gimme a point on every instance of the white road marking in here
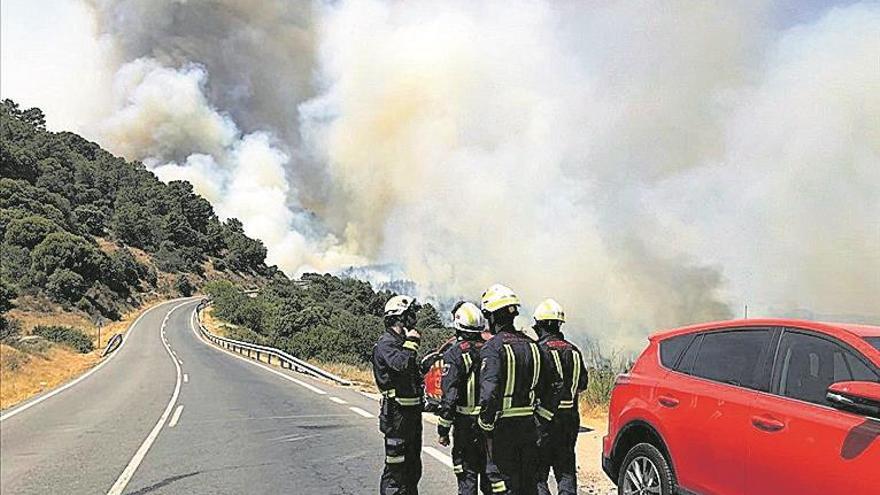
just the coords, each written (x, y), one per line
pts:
(436, 454)
(361, 412)
(135, 461)
(296, 438)
(175, 417)
(338, 400)
(371, 396)
(186, 378)
(255, 363)
(28, 405)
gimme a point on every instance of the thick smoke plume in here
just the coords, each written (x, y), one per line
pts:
(648, 164)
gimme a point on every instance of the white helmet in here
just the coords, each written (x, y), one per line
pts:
(497, 297)
(468, 318)
(549, 309)
(398, 305)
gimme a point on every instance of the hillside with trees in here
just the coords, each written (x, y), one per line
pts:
(90, 231)
(87, 239)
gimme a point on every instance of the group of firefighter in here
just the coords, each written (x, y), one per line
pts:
(510, 402)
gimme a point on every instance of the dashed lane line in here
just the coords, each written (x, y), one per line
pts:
(338, 400)
(360, 412)
(176, 416)
(186, 378)
(132, 466)
(436, 454)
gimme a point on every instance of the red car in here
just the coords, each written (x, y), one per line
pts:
(749, 407)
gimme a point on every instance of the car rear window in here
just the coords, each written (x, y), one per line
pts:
(671, 349)
(874, 341)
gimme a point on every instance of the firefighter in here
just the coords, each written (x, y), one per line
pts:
(516, 385)
(558, 439)
(396, 370)
(458, 407)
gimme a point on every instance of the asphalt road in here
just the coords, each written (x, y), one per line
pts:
(213, 422)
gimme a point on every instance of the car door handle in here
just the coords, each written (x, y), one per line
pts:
(767, 424)
(667, 401)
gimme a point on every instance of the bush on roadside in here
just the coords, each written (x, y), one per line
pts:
(10, 330)
(183, 285)
(69, 336)
(603, 370)
(38, 346)
(13, 361)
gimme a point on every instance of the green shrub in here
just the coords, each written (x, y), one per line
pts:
(38, 346)
(603, 370)
(183, 285)
(29, 231)
(321, 317)
(69, 336)
(10, 330)
(66, 286)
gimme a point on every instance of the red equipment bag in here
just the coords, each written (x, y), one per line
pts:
(432, 375)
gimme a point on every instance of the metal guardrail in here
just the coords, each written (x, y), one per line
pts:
(266, 354)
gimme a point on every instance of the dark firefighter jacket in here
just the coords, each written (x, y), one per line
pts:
(569, 363)
(396, 369)
(459, 383)
(516, 380)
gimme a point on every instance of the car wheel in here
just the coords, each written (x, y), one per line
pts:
(645, 472)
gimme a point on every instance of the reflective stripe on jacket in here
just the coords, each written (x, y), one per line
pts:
(516, 379)
(569, 362)
(396, 369)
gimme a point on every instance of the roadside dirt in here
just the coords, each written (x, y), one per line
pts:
(34, 369)
(591, 479)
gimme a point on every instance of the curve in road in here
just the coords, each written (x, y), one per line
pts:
(202, 421)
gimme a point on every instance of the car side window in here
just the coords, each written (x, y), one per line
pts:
(686, 363)
(732, 357)
(671, 349)
(807, 364)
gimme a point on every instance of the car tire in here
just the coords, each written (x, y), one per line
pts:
(645, 467)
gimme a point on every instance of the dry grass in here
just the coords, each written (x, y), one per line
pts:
(25, 374)
(213, 324)
(31, 311)
(360, 376)
(592, 414)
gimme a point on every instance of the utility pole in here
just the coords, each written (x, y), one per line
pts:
(746, 311)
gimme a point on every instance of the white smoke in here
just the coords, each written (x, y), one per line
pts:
(162, 114)
(646, 163)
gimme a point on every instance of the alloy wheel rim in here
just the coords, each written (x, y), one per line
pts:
(642, 478)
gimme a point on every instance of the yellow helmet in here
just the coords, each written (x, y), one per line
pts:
(468, 318)
(497, 297)
(549, 309)
(398, 305)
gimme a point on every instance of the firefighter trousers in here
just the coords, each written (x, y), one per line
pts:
(557, 451)
(469, 456)
(402, 427)
(513, 463)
